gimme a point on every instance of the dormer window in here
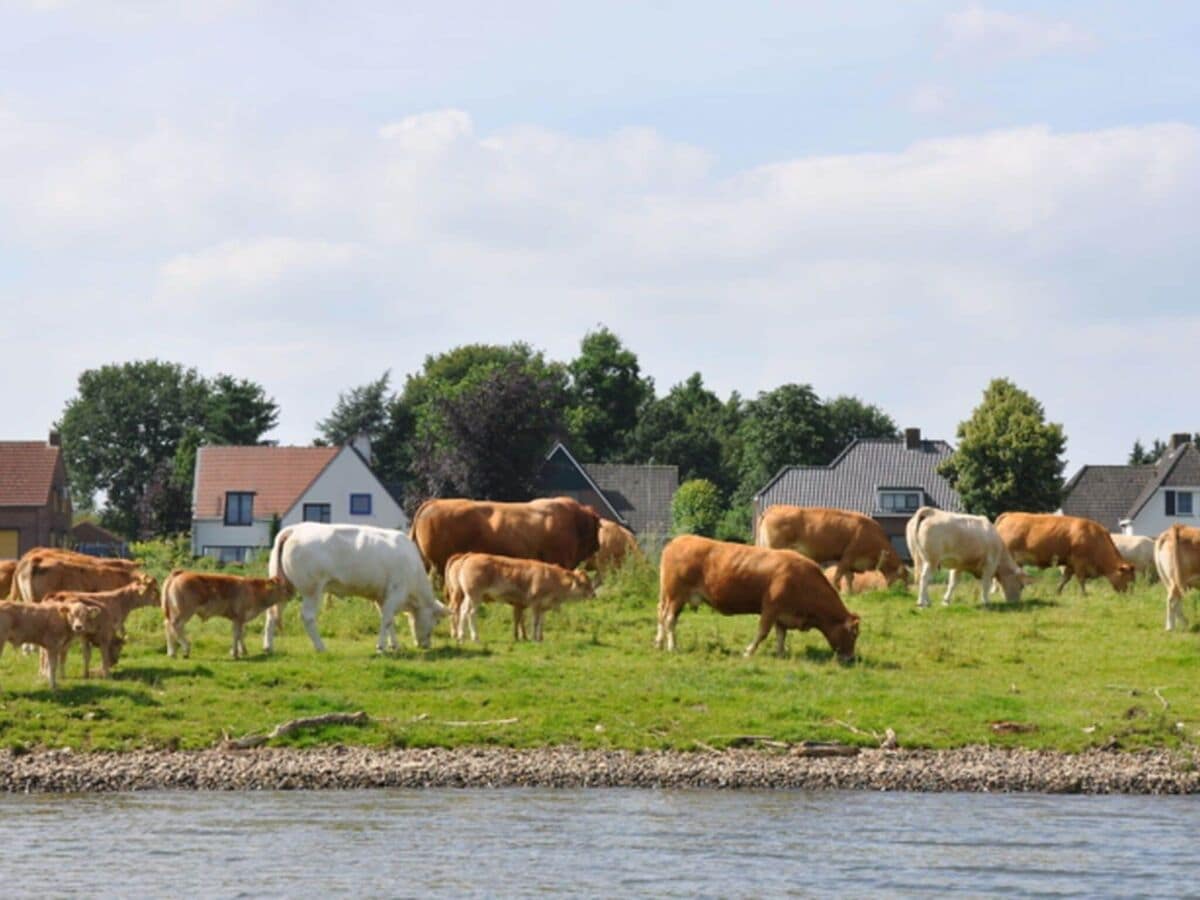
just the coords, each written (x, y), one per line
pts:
(899, 501)
(239, 508)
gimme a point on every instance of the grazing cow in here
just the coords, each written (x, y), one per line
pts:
(860, 582)
(849, 540)
(783, 588)
(353, 560)
(961, 543)
(1081, 546)
(7, 568)
(104, 627)
(43, 626)
(557, 530)
(1177, 557)
(475, 578)
(40, 574)
(1138, 551)
(617, 544)
(187, 594)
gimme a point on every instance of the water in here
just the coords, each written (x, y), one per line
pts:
(516, 842)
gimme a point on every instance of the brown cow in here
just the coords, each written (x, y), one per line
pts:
(556, 530)
(40, 574)
(1177, 558)
(7, 568)
(617, 544)
(860, 582)
(42, 626)
(849, 540)
(1081, 546)
(104, 627)
(475, 578)
(203, 594)
(783, 588)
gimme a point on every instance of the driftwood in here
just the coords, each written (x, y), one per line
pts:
(824, 748)
(293, 725)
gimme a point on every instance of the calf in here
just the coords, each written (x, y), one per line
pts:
(961, 543)
(1081, 546)
(187, 594)
(851, 541)
(860, 582)
(1138, 551)
(617, 544)
(784, 589)
(522, 583)
(1177, 557)
(44, 626)
(105, 627)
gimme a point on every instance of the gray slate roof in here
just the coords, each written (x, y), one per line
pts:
(852, 481)
(1105, 493)
(642, 495)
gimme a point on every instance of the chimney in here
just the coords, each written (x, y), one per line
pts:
(362, 443)
(1179, 439)
(55, 439)
(912, 438)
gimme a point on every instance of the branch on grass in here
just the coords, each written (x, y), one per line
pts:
(293, 725)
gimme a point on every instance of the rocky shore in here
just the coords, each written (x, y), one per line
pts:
(340, 768)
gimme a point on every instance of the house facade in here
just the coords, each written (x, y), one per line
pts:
(1143, 499)
(885, 479)
(635, 496)
(35, 503)
(238, 492)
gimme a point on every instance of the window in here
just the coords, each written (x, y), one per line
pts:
(316, 512)
(239, 508)
(1183, 503)
(360, 504)
(225, 555)
(899, 501)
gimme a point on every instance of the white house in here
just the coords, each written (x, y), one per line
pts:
(1144, 499)
(239, 490)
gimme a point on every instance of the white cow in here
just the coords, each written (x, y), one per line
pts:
(960, 543)
(378, 563)
(1137, 550)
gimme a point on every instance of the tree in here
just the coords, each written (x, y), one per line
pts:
(851, 419)
(696, 508)
(360, 410)
(786, 426)
(607, 390)
(1009, 457)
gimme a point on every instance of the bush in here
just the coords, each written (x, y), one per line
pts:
(696, 508)
(737, 524)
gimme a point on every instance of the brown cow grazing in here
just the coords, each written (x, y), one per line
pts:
(617, 544)
(475, 578)
(105, 628)
(7, 568)
(42, 626)
(203, 594)
(1081, 546)
(1177, 557)
(556, 530)
(861, 582)
(850, 541)
(40, 574)
(783, 588)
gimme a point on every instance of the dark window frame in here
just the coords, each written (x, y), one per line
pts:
(234, 509)
(327, 514)
(361, 512)
(1169, 503)
(1182, 508)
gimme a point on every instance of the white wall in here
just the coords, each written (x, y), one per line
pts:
(1152, 521)
(347, 475)
(215, 533)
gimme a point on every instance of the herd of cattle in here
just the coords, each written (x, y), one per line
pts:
(537, 555)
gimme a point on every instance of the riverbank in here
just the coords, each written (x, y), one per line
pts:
(977, 769)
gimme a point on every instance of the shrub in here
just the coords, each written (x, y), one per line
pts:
(696, 508)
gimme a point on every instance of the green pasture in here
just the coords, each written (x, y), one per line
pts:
(1066, 672)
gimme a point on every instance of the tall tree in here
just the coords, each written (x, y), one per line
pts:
(1009, 457)
(786, 426)
(607, 390)
(851, 419)
(360, 410)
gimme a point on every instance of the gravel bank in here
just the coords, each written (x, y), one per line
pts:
(969, 769)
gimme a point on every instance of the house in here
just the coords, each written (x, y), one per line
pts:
(636, 496)
(1142, 499)
(88, 537)
(887, 479)
(238, 492)
(35, 504)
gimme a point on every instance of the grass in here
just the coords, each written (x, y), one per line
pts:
(1079, 672)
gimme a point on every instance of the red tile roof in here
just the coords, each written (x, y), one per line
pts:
(26, 472)
(276, 475)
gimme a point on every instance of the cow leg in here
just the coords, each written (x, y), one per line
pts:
(951, 587)
(387, 616)
(85, 648)
(466, 615)
(170, 637)
(274, 616)
(412, 628)
(237, 639)
(1082, 579)
(923, 580)
(308, 614)
(765, 623)
(986, 576)
(178, 627)
(538, 613)
(780, 640)
(1066, 576)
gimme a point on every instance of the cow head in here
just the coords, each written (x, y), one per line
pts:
(145, 586)
(424, 616)
(82, 617)
(1012, 583)
(587, 532)
(581, 585)
(1123, 577)
(843, 636)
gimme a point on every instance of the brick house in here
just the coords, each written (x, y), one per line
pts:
(35, 503)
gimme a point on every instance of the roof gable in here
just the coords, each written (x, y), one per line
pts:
(1178, 466)
(277, 476)
(356, 459)
(1105, 493)
(561, 462)
(27, 471)
(641, 493)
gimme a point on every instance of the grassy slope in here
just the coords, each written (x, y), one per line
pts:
(939, 677)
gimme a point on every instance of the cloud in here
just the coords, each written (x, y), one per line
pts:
(314, 261)
(988, 33)
(930, 100)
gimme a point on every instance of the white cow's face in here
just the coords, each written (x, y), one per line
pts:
(424, 618)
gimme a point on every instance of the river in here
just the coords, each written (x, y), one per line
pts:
(525, 842)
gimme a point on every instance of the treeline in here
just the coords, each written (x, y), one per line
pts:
(474, 421)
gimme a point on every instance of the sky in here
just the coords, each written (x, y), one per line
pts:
(899, 201)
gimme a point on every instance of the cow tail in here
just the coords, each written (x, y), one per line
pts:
(1176, 566)
(912, 534)
(275, 562)
(166, 592)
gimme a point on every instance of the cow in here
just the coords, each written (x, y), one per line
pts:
(204, 594)
(1177, 558)
(41, 574)
(105, 628)
(1138, 551)
(785, 590)
(617, 544)
(378, 563)
(556, 530)
(1081, 546)
(860, 582)
(849, 540)
(475, 578)
(7, 568)
(43, 626)
(961, 543)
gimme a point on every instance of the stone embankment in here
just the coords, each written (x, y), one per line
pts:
(339, 767)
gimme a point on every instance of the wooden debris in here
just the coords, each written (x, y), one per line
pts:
(293, 725)
(824, 748)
